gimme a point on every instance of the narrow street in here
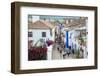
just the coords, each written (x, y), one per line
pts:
(57, 55)
(57, 37)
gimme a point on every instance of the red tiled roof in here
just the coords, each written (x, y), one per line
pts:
(40, 25)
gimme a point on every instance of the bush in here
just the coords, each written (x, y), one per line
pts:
(37, 53)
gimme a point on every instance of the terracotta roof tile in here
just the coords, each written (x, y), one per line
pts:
(40, 25)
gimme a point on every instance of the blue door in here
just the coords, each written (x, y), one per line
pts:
(67, 40)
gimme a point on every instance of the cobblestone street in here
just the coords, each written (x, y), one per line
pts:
(57, 55)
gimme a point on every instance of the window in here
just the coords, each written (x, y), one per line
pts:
(43, 34)
(29, 34)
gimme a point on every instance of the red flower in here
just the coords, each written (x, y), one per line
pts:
(36, 53)
(49, 42)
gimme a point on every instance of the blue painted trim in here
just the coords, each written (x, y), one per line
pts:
(67, 40)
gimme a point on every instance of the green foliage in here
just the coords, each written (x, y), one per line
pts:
(77, 54)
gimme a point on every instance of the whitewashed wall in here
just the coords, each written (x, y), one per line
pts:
(37, 34)
(72, 39)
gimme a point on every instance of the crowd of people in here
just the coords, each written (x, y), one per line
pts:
(69, 51)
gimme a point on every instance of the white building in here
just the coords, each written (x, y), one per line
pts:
(72, 35)
(41, 30)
